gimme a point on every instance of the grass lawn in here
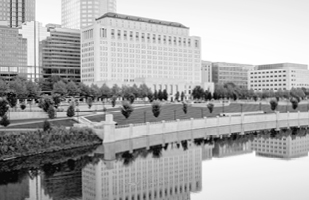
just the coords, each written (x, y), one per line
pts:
(64, 122)
(174, 111)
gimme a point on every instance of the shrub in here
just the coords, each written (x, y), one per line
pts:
(71, 111)
(5, 121)
(23, 106)
(294, 102)
(156, 108)
(273, 104)
(51, 112)
(210, 107)
(46, 125)
(255, 97)
(114, 98)
(126, 109)
(4, 106)
(185, 107)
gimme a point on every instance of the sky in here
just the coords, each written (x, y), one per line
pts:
(238, 31)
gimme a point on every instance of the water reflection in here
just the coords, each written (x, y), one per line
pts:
(162, 171)
(159, 173)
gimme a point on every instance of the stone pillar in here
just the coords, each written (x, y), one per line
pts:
(218, 125)
(109, 151)
(277, 121)
(242, 124)
(177, 132)
(288, 120)
(130, 138)
(147, 134)
(191, 131)
(205, 127)
(109, 129)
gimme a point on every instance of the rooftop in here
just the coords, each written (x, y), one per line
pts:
(141, 19)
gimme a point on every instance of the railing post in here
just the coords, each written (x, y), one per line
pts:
(288, 120)
(218, 124)
(147, 134)
(205, 127)
(277, 121)
(192, 121)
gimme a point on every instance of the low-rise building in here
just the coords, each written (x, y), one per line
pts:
(283, 76)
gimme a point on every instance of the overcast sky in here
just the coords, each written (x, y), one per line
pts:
(240, 31)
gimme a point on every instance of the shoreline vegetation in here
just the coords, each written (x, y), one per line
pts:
(25, 144)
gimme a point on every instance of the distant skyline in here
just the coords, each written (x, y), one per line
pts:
(238, 31)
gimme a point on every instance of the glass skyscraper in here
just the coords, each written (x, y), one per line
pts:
(16, 12)
(76, 14)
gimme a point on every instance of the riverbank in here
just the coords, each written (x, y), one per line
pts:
(17, 145)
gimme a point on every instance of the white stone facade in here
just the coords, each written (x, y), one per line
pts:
(76, 14)
(127, 49)
(278, 78)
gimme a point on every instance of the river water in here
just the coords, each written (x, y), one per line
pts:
(263, 165)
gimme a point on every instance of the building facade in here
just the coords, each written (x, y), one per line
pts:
(174, 176)
(61, 53)
(278, 76)
(34, 33)
(231, 72)
(206, 71)
(13, 53)
(16, 12)
(127, 50)
(77, 14)
(231, 149)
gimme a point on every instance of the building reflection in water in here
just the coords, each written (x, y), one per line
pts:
(282, 145)
(172, 176)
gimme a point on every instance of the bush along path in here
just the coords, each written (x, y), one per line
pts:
(39, 142)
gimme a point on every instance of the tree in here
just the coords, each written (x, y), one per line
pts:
(72, 89)
(45, 103)
(164, 95)
(56, 99)
(71, 111)
(135, 91)
(89, 102)
(4, 106)
(51, 112)
(84, 90)
(12, 99)
(126, 109)
(294, 102)
(185, 107)
(3, 88)
(160, 95)
(104, 92)
(5, 121)
(129, 97)
(46, 125)
(116, 90)
(177, 95)
(144, 91)
(60, 88)
(210, 107)
(255, 97)
(18, 87)
(273, 104)
(94, 91)
(155, 95)
(33, 89)
(150, 96)
(114, 99)
(156, 108)
(182, 96)
(198, 92)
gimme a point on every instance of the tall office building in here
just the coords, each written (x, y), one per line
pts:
(77, 14)
(16, 12)
(61, 53)
(126, 49)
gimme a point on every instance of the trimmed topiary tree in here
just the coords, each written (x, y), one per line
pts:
(210, 107)
(89, 102)
(114, 98)
(156, 108)
(51, 112)
(273, 104)
(71, 111)
(23, 106)
(5, 121)
(294, 103)
(185, 108)
(126, 109)
(46, 125)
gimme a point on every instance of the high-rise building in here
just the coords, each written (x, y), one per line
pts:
(77, 14)
(13, 53)
(16, 12)
(283, 76)
(126, 49)
(231, 72)
(61, 53)
(206, 72)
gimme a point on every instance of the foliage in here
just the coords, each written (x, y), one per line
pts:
(126, 109)
(182, 96)
(46, 125)
(160, 95)
(4, 106)
(18, 87)
(71, 111)
(46, 102)
(104, 92)
(198, 92)
(150, 97)
(294, 102)
(89, 102)
(164, 95)
(273, 104)
(116, 90)
(33, 89)
(3, 88)
(84, 90)
(56, 99)
(144, 91)
(210, 107)
(51, 112)
(72, 89)
(156, 108)
(185, 107)
(60, 88)
(12, 99)
(155, 95)
(114, 99)
(177, 95)
(129, 97)
(23, 106)
(5, 121)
